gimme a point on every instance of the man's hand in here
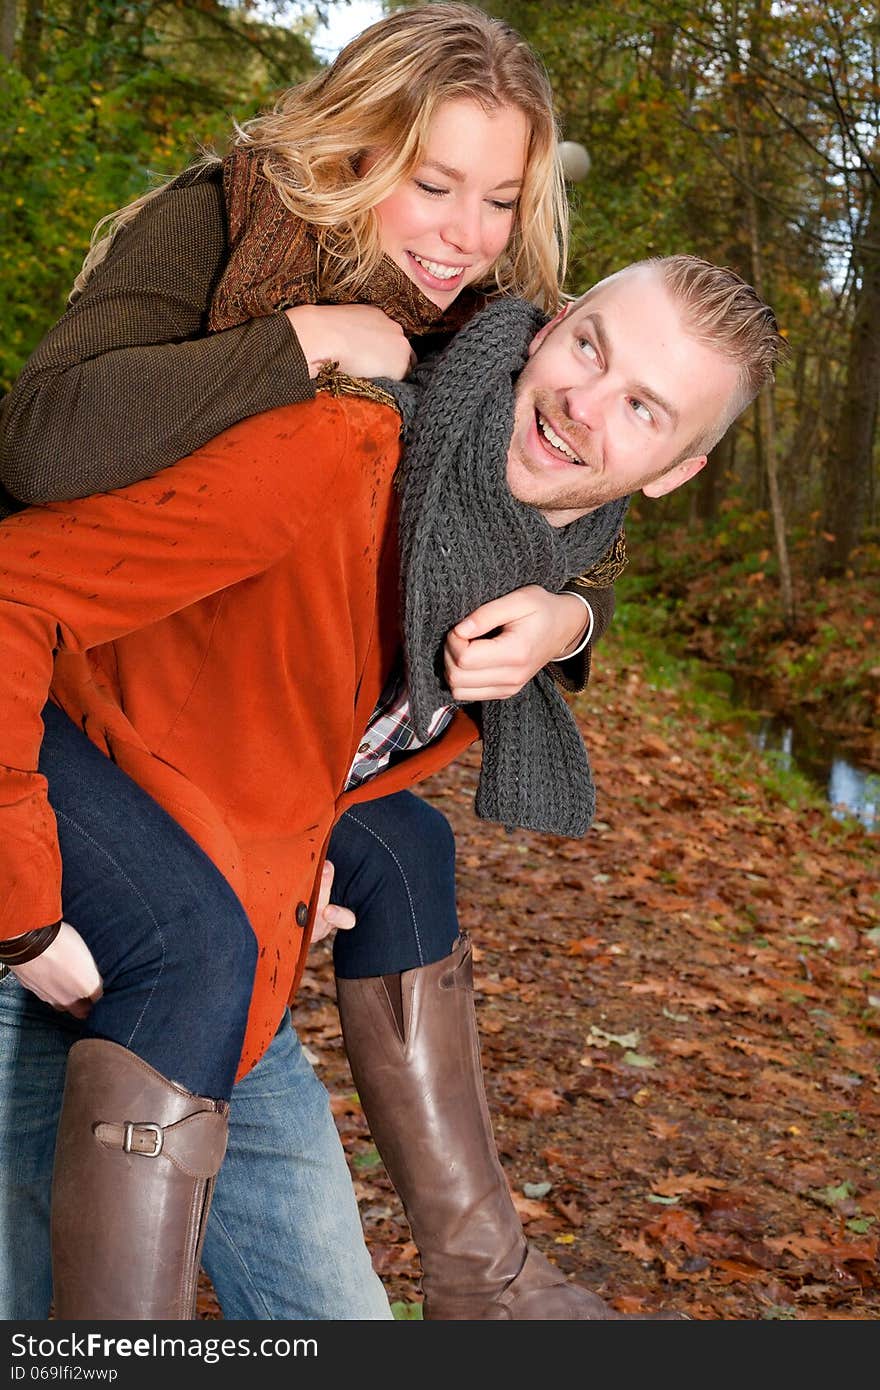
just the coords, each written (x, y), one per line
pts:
(529, 628)
(65, 975)
(329, 917)
(362, 339)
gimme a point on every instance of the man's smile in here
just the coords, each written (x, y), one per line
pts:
(555, 440)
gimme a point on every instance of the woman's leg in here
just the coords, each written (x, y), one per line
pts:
(127, 865)
(394, 866)
(143, 1122)
(284, 1238)
(170, 937)
(405, 991)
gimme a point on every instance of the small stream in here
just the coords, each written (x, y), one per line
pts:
(849, 788)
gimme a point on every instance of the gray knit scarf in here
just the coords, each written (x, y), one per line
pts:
(465, 540)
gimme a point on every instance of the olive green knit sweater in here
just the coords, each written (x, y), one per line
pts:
(127, 381)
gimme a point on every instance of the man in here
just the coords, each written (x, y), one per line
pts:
(627, 390)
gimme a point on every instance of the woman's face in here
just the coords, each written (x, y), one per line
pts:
(449, 221)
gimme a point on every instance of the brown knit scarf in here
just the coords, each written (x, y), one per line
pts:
(273, 264)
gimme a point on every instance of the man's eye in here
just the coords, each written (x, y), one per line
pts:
(431, 188)
(639, 408)
(587, 348)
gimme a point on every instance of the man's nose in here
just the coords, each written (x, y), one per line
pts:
(586, 405)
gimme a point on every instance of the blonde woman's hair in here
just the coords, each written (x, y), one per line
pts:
(380, 95)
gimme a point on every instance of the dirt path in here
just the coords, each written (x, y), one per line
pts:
(681, 1027)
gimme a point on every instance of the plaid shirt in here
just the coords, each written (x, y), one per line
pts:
(390, 735)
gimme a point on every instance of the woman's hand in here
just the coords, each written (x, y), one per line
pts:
(362, 339)
(529, 627)
(329, 917)
(64, 975)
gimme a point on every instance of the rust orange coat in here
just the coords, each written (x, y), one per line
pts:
(222, 630)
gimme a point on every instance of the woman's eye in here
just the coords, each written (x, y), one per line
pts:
(639, 408)
(431, 188)
(503, 207)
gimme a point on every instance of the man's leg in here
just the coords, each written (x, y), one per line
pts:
(284, 1238)
(34, 1042)
(177, 956)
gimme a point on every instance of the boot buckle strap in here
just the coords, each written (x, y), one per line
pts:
(195, 1144)
(134, 1142)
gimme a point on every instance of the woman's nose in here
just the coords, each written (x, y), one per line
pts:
(463, 227)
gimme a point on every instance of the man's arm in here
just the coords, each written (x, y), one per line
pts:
(493, 652)
(75, 575)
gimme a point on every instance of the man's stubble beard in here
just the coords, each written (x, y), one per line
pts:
(574, 495)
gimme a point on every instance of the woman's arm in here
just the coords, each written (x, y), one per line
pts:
(127, 381)
(573, 673)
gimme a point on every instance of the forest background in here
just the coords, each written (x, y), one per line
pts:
(743, 130)
(747, 131)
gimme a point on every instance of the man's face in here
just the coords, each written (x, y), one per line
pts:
(613, 394)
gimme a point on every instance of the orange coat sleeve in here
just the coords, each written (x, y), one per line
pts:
(74, 575)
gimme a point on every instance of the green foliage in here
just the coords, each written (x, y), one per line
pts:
(368, 1159)
(113, 107)
(743, 131)
(709, 591)
(640, 628)
(685, 109)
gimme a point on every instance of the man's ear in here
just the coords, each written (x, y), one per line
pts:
(681, 473)
(548, 328)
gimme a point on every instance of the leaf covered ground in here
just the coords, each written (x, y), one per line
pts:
(680, 1018)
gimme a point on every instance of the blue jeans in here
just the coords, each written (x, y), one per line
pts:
(394, 861)
(176, 952)
(284, 1239)
(171, 939)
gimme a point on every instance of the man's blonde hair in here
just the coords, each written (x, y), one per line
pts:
(380, 95)
(722, 311)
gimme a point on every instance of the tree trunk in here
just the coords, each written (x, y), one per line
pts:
(79, 16)
(765, 414)
(850, 462)
(813, 394)
(31, 34)
(708, 488)
(759, 471)
(8, 11)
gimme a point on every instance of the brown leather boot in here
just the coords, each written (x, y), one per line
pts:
(135, 1162)
(414, 1053)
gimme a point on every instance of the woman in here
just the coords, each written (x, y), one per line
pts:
(362, 157)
